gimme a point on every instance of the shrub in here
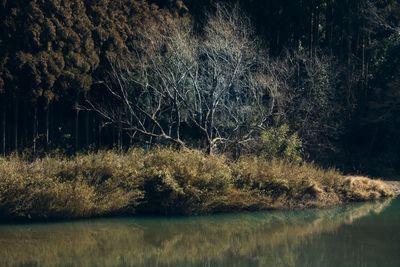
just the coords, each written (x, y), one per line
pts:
(278, 143)
(181, 181)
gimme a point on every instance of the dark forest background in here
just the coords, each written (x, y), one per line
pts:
(53, 53)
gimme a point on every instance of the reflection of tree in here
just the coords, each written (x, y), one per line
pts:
(264, 239)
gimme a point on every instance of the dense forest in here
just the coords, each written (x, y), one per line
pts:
(331, 69)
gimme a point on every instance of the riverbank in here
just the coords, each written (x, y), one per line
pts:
(169, 182)
(395, 186)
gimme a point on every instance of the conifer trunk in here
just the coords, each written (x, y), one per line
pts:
(87, 129)
(100, 132)
(77, 130)
(35, 128)
(16, 119)
(47, 125)
(3, 129)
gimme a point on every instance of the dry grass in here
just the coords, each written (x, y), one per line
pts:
(88, 185)
(357, 188)
(166, 181)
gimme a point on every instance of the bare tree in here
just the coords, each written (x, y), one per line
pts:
(217, 82)
(232, 95)
(312, 96)
(142, 86)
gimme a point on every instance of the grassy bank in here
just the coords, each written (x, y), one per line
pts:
(166, 181)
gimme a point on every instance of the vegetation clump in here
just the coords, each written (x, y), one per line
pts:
(166, 181)
(279, 143)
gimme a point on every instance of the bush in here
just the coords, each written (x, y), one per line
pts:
(278, 143)
(182, 181)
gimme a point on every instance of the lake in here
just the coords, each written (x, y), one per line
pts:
(354, 235)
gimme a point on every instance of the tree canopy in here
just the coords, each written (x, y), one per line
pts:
(336, 60)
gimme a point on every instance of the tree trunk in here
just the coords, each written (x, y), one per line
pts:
(349, 53)
(93, 125)
(87, 129)
(77, 130)
(100, 130)
(131, 135)
(16, 119)
(119, 136)
(35, 128)
(316, 26)
(311, 34)
(210, 147)
(3, 129)
(47, 125)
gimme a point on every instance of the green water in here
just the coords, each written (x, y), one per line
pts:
(357, 235)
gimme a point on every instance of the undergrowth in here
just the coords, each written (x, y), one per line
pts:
(167, 181)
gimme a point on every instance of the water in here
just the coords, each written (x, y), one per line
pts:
(357, 235)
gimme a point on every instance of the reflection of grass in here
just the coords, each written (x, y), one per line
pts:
(266, 239)
(166, 181)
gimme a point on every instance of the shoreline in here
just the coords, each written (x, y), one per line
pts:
(170, 182)
(26, 221)
(395, 185)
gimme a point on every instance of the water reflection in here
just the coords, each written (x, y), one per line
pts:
(262, 239)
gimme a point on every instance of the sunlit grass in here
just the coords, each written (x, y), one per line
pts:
(167, 181)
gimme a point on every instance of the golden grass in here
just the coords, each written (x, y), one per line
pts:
(166, 181)
(358, 188)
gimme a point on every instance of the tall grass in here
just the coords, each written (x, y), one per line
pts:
(166, 181)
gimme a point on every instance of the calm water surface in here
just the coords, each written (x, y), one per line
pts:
(357, 235)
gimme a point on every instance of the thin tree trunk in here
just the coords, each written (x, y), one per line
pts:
(278, 39)
(119, 133)
(94, 130)
(364, 75)
(87, 129)
(100, 131)
(366, 60)
(311, 34)
(77, 130)
(114, 137)
(47, 125)
(131, 135)
(316, 25)
(24, 133)
(349, 44)
(16, 118)
(35, 128)
(210, 148)
(330, 27)
(3, 129)
(52, 124)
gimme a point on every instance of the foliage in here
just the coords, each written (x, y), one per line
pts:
(279, 143)
(166, 181)
(383, 101)
(53, 53)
